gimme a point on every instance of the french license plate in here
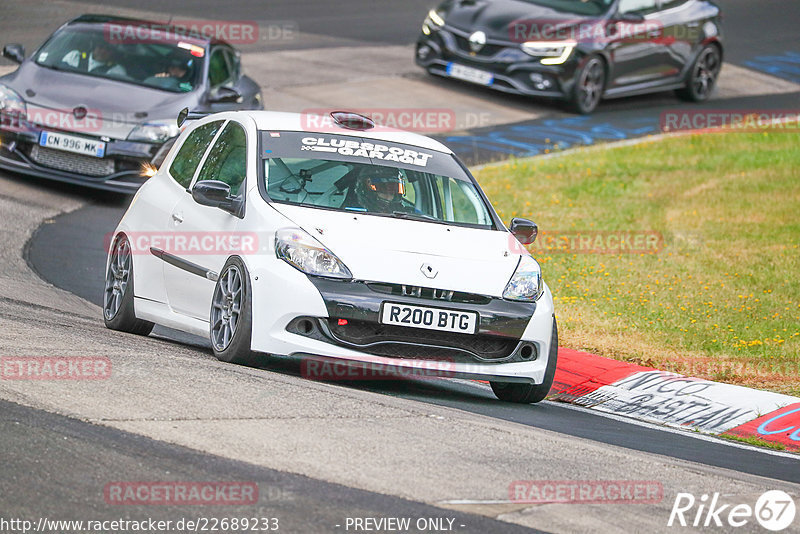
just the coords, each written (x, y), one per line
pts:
(468, 74)
(429, 318)
(71, 143)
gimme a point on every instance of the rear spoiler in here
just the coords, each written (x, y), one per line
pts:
(186, 115)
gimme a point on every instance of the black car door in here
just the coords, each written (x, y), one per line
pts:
(636, 47)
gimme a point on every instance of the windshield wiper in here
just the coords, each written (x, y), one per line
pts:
(414, 216)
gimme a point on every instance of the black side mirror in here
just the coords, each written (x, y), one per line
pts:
(224, 95)
(14, 52)
(524, 230)
(217, 194)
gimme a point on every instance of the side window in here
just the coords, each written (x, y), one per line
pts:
(191, 152)
(218, 70)
(669, 4)
(236, 65)
(643, 7)
(227, 160)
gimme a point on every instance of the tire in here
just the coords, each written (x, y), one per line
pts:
(702, 77)
(590, 84)
(118, 311)
(230, 322)
(531, 393)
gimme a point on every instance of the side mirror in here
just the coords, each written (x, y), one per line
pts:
(224, 95)
(524, 230)
(217, 194)
(630, 16)
(14, 52)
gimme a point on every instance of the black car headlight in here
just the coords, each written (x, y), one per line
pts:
(550, 52)
(433, 22)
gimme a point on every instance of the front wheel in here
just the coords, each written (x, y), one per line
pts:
(118, 312)
(531, 393)
(231, 315)
(590, 83)
(702, 78)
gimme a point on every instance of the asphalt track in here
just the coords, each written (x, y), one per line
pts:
(53, 254)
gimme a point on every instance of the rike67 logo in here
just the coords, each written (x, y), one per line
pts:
(774, 510)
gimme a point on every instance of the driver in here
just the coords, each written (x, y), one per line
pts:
(100, 61)
(381, 190)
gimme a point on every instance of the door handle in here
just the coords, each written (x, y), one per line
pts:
(693, 25)
(177, 217)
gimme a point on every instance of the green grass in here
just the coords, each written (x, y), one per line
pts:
(754, 441)
(721, 299)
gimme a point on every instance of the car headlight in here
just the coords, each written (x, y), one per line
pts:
(154, 131)
(303, 252)
(433, 21)
(526, 285)
(552, 53)
(11, 103)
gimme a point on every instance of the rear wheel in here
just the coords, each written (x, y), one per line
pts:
(702, 78)
(590, 83)
(118, 312)
(531, 393)
(231, 315)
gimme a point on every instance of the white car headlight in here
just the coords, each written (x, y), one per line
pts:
(11, 103)
(154, 131)
(303, 252)
(552, 53)
(526, 284)
(433, 21)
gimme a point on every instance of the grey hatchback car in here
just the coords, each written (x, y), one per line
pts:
(92, 107)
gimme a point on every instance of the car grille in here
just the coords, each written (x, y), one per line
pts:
(77, 163)
(488, 50)
(422, 344)
(428, 293)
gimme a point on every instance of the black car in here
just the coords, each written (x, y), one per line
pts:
(96, 103)
(579, 51)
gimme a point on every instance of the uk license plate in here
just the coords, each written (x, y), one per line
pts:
(429, 318)
(74, 144)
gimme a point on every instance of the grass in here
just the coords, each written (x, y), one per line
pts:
(754, 441)
(718, 297)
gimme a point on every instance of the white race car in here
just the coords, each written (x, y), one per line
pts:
(331, 238)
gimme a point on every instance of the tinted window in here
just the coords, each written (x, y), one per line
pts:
(188, 158)
(227, 160)
(638, 6)
(218, 70)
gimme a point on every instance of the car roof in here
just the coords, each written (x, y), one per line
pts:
(312, 123)
(105, 19)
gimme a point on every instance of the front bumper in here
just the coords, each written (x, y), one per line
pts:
(120, 170)
(513, 70)
(284, 297)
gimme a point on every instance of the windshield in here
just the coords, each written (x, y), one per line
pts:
(90, 50)
(578, 7)
(375, 189)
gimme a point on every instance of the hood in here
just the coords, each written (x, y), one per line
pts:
(115, 108)
(385, 249)
(511, 20)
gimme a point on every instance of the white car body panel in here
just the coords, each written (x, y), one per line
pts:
(374, 248)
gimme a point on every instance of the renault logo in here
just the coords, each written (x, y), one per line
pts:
(429, 270)
(477, 41)
(80, 112)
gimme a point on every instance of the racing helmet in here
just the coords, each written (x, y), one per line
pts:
(380, 188)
